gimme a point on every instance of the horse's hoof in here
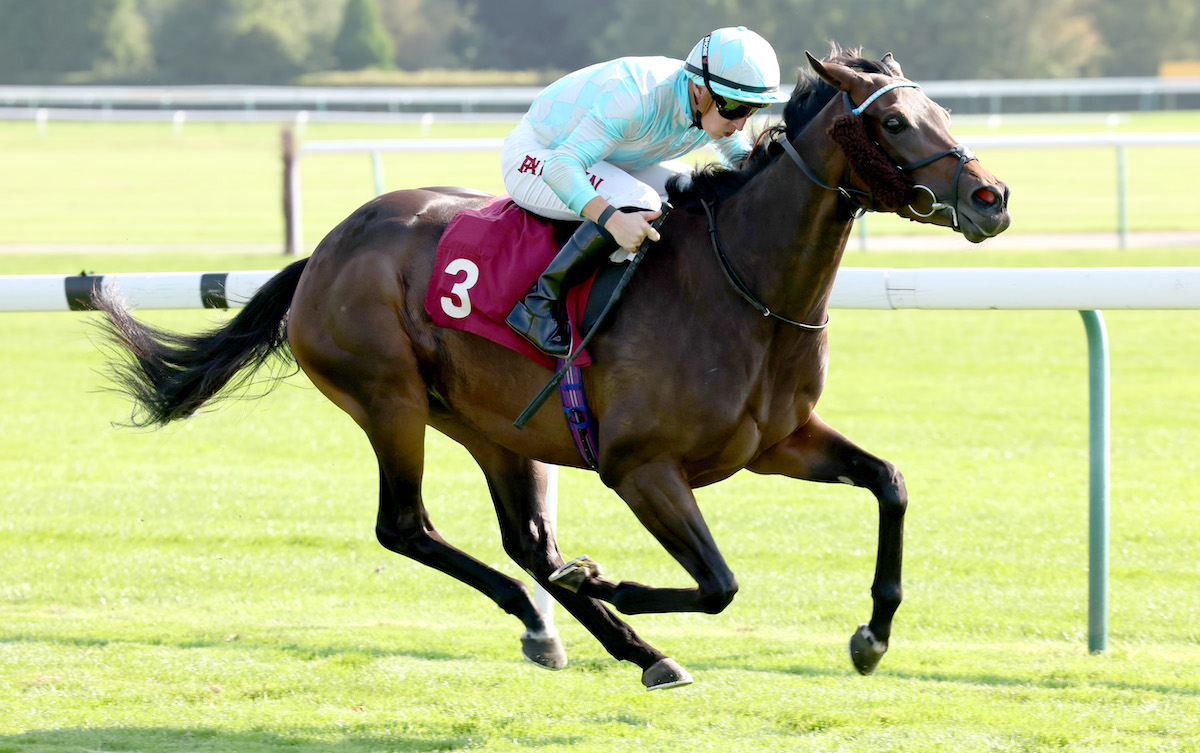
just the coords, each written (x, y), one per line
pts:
(865, 650)
(665, 673)
(575, 573)
(546, 651)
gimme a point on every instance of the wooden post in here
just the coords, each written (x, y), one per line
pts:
(291, 193)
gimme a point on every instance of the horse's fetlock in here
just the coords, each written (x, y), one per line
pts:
(890, 595)
(387, 538)
(515, 600)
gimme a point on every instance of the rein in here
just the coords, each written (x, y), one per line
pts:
(740, 286)
(864, 200)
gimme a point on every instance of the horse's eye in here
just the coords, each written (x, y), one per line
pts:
(895, 124)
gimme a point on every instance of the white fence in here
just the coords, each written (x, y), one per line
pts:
(294, 231)
(1053, 94)
(1061, 288)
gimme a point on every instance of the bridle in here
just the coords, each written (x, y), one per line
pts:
(863, 200)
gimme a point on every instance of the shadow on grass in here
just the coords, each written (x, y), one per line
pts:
(170, 740)
(293, 649)
(1043, 683)
(746, 664)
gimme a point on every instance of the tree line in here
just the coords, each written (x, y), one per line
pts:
(284, 41)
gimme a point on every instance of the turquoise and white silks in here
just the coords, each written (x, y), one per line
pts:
(609, 130)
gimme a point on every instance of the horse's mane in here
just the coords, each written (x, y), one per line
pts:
(716, 182)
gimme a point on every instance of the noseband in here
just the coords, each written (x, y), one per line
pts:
(923, 200)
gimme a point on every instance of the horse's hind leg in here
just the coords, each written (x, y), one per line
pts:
(404, 526)
(392, 410)
(816, 452)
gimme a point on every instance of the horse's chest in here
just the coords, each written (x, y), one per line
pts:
(782, 406)
(738, 437)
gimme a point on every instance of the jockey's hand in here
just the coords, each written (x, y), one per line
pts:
(629, 229)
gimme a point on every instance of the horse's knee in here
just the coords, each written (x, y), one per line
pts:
(892, 494)
(714, 600)
(530, 547)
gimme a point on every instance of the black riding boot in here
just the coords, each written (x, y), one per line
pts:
(539, 317)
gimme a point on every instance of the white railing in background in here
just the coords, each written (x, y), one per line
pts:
(294, 231)
(1063, 95)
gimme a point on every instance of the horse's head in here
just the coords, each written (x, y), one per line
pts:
(900, 149)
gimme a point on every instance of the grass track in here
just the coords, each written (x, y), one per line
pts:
(215, 586)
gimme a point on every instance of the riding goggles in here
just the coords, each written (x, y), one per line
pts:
(731, 109)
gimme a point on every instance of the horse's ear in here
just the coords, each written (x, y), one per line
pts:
(835, 75)
(890, 63)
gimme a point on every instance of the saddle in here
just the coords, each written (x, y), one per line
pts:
(489, 258)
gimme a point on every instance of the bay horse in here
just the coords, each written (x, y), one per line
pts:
(713, 364)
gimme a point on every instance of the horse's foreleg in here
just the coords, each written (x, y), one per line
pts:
(816, 452)
(663, 502)
(518, 489)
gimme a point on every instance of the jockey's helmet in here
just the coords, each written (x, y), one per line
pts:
(736, 63)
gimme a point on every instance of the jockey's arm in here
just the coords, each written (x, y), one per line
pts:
(565, 172)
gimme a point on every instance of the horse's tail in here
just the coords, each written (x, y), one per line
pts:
(170, 375)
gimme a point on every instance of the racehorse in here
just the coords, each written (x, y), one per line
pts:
(714, 362)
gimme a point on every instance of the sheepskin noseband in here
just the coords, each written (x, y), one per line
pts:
(892, 187)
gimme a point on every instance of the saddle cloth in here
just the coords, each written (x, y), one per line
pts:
(488, 259)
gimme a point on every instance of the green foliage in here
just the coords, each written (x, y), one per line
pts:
(219, 42)
(532, 34)
(428, 33)
(252, 41)
(68, 36)
(1139, 35)
(362, 42)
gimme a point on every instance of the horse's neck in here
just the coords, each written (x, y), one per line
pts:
(792, 232)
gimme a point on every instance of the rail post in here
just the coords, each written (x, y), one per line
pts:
(1098, 477)
(1122, 196)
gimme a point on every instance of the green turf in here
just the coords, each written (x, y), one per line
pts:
(221, 184)
(216, 586)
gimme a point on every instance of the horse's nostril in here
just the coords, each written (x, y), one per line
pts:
(986, 197)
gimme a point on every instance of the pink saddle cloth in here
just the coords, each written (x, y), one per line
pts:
(488, 259)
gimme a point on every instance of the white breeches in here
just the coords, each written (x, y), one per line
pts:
(523, 155)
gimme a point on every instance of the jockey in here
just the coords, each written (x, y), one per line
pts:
(599, 140)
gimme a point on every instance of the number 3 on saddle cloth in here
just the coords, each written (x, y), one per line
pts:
(488, 259)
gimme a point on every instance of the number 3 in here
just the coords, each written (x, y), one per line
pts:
(460, 308)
